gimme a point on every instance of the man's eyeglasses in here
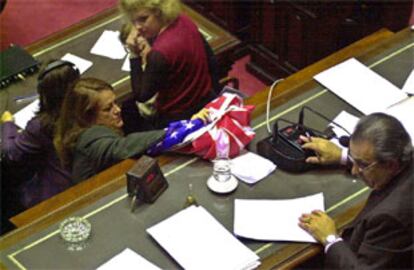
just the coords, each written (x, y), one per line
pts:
(362, 166)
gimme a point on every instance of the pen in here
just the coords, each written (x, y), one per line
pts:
(27, 98)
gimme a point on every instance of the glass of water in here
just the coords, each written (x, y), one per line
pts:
(221, 169)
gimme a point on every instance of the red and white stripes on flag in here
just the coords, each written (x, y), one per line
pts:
(229, 119)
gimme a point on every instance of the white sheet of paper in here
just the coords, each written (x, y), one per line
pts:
(126, 66)
(275, 220)
(109, 45)
(80, 63)
(360, 86)
(196, 240)
(128, 259)
(241, 167)
(347, 121)
(404, 112)
(409, 84)
(24, 115)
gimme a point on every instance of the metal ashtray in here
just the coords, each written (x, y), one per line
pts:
(75, 231)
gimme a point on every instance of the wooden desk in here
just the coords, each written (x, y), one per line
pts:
(80, 38)
(292, 93)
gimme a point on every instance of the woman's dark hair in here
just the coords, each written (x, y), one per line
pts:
(79, 112)
(387, 135)
(52, 88)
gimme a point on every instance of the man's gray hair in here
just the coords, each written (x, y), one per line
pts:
(387, 135)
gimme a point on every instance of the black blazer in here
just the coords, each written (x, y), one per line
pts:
(381, 236)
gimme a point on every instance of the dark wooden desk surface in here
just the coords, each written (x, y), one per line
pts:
(111, 180)
(80, 38)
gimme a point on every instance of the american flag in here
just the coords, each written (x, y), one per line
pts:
(229, 120)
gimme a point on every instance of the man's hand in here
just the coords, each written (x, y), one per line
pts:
(327, 152)
(7, 117)
(318, 224)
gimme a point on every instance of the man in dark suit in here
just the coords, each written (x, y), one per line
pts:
(381, 236)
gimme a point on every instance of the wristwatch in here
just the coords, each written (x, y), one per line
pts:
(330, 239)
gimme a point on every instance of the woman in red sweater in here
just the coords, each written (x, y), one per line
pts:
(170, 63)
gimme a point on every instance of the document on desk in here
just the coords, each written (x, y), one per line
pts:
(361, 87)
(242, 167)
(409, 84)
(126, 66)
(345, 120)
(128, 259)
(109, 45)
(22, 117)
(80, 63)
(275, 220)
(196, 240)
(404, 111)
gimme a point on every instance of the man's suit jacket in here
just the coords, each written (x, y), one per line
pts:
(381, 236)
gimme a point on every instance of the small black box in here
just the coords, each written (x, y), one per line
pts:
(145, 180)
(14, 61)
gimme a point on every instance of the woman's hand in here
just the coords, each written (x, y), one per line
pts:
(143, 47)
(327, 152)
(318, 224)
(7, 117)
(138, 45)
(203, 114)
(131, 42)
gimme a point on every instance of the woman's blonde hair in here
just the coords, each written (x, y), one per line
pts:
(169, 9)
(124, 33)
(79, 112)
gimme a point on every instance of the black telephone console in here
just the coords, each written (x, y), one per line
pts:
(284, 147)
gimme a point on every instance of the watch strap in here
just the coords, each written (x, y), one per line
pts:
(327, 246)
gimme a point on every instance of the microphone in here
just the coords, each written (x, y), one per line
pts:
(344, 141)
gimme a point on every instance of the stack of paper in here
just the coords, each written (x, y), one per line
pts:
(360, 86)
(109, 45)
(128, 259)
(196, 240)
(275, 220)
(241, 167)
